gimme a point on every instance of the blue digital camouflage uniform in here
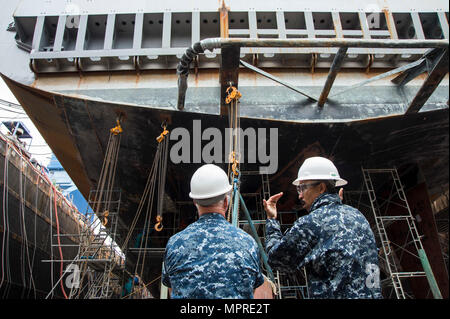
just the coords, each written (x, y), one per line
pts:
(335, 244)
(212, 259)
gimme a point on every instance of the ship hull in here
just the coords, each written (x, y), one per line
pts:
(77, 130)
(27, 225)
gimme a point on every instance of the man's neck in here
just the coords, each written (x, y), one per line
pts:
(210, 211)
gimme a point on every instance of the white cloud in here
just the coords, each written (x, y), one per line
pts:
(38, 147)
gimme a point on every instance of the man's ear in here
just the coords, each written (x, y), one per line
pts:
(323, 188)
(226, 201)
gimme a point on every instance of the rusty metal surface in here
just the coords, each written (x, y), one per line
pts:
(321, 43)
(273, 78)
(433, 80)
(228, 57)
(229, 74)
(77, 132)
(223, 19)
(262, 98)
(334, 70)
(205, 78)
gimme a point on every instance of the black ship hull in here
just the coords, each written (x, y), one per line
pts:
(77, 129)
(27, 225)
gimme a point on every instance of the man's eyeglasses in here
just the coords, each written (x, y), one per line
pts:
(302, 187)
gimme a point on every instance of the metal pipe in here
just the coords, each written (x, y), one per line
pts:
(335, 67)
(235, 215)
(430, 276)
(326, 42)
(276, 79)
(434, 78)
(216, 43)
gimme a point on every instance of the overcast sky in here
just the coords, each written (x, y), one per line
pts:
(39, 148)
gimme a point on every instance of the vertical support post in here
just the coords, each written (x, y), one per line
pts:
(195, 30)
(224, 33)
(38, 30)
(167, 24)
(417, 25)
(309, 21)
(252, 25)
(281, 25)
(61, 27)
(364, 25)
(81, 35)
(335, 67)
(109, 33)
(337, 25)
(138, 29)
(391, 25)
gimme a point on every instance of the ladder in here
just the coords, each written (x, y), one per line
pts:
(265, 185)
(102, 247)
(383, 221)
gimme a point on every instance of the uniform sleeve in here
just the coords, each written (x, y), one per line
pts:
(286, 252)
(259, 276)
(165, 276)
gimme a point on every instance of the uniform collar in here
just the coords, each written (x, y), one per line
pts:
(325, 199)
(211, 216)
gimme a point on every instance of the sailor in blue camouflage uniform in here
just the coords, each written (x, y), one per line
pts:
(211, 258)
(334, 241)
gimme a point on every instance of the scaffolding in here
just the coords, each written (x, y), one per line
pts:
(99, 260)
(98, 255)
(101, 264)
(390, 210)
(293, 285)
(259, 220)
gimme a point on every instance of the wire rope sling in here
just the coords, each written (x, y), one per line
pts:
(234, 151)
(234, 172)
(156, 179)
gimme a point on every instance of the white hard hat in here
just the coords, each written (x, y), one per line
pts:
(209, 181)
(318, 168)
